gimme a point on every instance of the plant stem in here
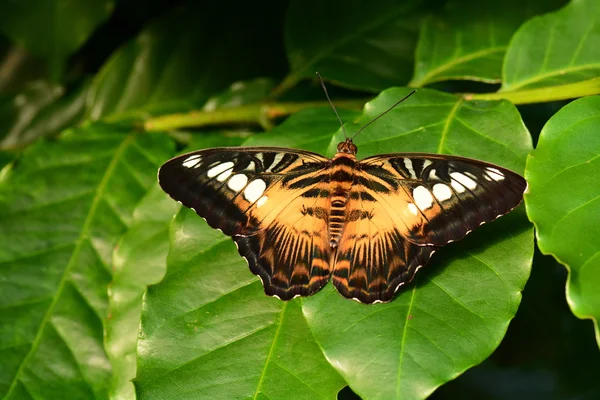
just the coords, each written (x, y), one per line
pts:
(262, 114)
(551, 93)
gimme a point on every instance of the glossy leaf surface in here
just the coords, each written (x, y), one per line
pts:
(63, 207)
(564, 202)
(555, 49)
(469, 39)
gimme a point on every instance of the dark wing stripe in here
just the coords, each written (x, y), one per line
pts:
(374, 260)
(468, 193)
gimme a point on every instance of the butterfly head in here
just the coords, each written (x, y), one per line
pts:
(347, 147)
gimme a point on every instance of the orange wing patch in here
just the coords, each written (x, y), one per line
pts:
(374, 259)
(434, 199)
(289, 249)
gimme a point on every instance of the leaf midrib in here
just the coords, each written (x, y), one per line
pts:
(401, 355)
(271, 349)
(451, 116)
(432, 75)
(83, 235)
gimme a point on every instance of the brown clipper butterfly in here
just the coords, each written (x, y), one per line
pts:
(301, 219)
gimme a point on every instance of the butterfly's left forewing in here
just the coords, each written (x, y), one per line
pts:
(272, 201)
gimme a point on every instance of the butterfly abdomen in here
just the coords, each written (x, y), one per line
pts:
(342, 178)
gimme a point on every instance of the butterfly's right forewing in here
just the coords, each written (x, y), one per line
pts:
(438, 199)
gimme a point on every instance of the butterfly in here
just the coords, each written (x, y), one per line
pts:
(300, 219)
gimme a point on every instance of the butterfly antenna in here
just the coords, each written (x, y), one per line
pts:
(383, 113)
(332, 106)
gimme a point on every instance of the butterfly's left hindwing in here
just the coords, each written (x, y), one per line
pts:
(270, 200)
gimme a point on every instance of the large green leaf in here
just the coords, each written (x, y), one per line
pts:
(52, 28)
(63, 207)
(555, 49)
(546, 353)
(564, 202)
(469, 39)
(187, 56)
(140, 259)
(365, 45)
(209, 331)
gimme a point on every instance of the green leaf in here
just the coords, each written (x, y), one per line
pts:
(140, 259)
(364, 45)
(209, 331)
(63, 207)
(311, 129)
(555, 49)
(563, 200)
(52, 28)
(546, 353)
(40, 110)
(180, 61)
(240, 93)
(469, 39)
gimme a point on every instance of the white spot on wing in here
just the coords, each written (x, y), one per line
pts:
(457, 186)
(413, 209)
(426, 163)
(192, 160)
(237, 182)
(217, 169)
(251, 166)
(276, 160)
(261, 202)
(464, 180)
(442, 192)
(423, 197)
(433, 175)
(409, 167)
(470, 175)
(495, 174)
(254, 190)
(225, 175)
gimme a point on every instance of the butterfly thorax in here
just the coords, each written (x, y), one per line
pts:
(341, 180)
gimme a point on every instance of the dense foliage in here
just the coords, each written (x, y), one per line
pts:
(109, 290)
